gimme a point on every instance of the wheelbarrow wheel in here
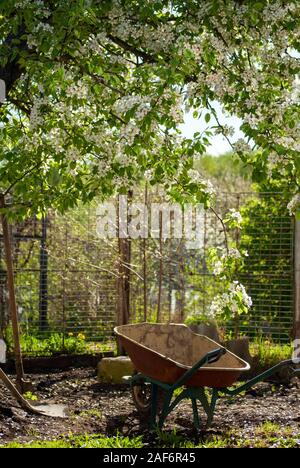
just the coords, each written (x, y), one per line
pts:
(141, 395)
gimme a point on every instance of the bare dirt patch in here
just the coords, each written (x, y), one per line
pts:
(107, 410)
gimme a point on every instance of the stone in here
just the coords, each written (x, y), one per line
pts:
(2, 351)
(112, 370)
(240, 347)
(209, 330)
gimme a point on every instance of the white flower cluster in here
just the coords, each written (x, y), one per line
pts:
(129, 132)
(275, 161)
(235, 299)
(241, 146)
(123, 159)
(149, 173)
(126, 103)
(73, 154)
(233, 253)
(218, 82)
(276, 11)
(31, 3)
(207, 186)
(94, 44)
(235, 216)
(157, 39)
(226, 130)
(36, 118)
(104, 167)
(294, 204)
(22, 3)
(45, 27)
(219, 266)
(176, 112)
(78, 90)
(289, 142)
(54, 138)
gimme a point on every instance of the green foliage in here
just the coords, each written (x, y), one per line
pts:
(55, 343)
(269, 354)
(30, 396)
(197, 319)
(139, 62)
(172, 440)
(264, 435)
(226, 171)
(85, 441)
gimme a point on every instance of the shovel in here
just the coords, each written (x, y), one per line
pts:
(52, 410)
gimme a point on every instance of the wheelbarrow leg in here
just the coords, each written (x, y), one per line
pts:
(166, 408)
(195, 414)
(212, 407)
(209, 407)
(154, 395)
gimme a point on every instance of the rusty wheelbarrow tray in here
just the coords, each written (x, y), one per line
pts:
(170, 356)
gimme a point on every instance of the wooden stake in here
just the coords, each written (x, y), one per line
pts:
(123, 282)
(296, 332)
(12, 298)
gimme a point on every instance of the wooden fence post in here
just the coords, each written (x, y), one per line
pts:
(296, 331)
(12, 299)
(123, 281)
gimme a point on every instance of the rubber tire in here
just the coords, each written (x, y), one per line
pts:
(141, 395)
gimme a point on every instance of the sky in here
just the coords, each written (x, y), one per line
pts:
(219, 144)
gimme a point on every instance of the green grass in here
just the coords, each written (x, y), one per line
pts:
(86, 441)
(172, 440)
(262, 436)
(269, 354)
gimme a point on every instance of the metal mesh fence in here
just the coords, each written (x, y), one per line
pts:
(65, 294)
(189, 286)
(67, 278)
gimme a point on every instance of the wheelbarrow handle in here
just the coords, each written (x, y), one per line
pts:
(214, 356)
(259, 378)
(209, 358)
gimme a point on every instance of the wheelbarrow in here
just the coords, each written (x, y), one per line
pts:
(173, 364)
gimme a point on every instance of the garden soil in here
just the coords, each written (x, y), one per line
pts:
(105, 409)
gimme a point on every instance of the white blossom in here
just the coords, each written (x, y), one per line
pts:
(235, 216)
(218, 268)
(241, 146)
(232, 300)
(149, 173)
(294, 204)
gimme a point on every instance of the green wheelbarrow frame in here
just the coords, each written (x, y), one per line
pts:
(197, 394)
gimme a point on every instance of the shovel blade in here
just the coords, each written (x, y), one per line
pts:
(52, 410)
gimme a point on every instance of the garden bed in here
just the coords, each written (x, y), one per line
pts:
(63, 361)
(268, 415)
